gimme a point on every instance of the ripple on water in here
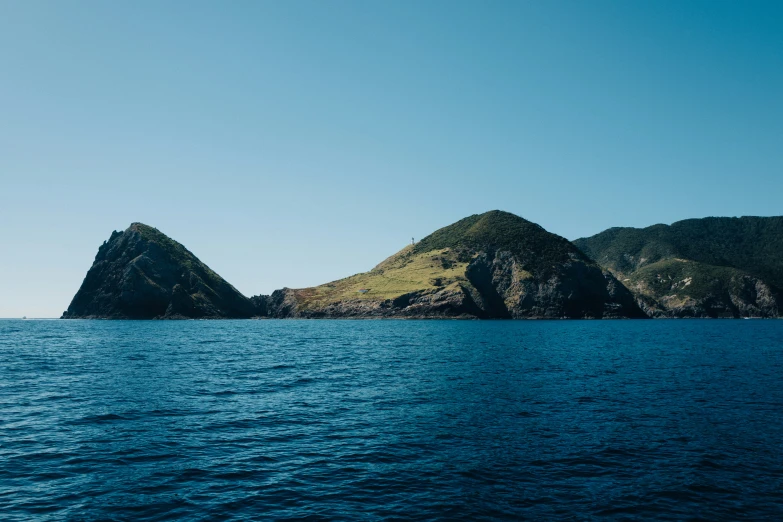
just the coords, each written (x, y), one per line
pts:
(373, 420)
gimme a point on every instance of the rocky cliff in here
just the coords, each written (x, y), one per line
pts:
(494, 265)
(143, 274)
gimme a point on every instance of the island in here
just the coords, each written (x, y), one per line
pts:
(494, 265)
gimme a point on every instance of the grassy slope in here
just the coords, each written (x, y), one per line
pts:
(404, 272)
(440, 259)
(538, 249)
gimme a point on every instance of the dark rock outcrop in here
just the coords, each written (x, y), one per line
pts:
(143, 274)
(575, 288)
(282, 303)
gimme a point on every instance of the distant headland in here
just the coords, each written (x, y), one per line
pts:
(494, 265)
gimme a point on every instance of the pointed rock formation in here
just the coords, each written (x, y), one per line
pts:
(143, 274)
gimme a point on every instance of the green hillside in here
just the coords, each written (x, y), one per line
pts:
(494, 265)
(723, 266)
(541, 250)
(752, 244)
(404, 273)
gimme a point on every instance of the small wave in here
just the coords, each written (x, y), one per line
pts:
(95, 419)
(53, 397)
(349, 427)
(282, 366)
(710, 464)
(236, 475)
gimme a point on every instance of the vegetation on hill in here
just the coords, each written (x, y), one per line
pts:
(491, 265)
(141, 273)
(494, 264)
(401, 274)
(178, 253)
(687, 279)
(751, 244)
(698, 267)
(538, 249)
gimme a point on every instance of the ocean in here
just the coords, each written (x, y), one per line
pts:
(391, 420)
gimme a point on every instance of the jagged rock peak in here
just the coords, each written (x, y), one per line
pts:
(141, 273)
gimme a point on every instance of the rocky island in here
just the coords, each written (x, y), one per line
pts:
(494, 265)
(143, 274)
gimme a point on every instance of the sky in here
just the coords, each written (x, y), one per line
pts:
(294, 143)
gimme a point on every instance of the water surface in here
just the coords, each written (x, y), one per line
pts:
(375, 420)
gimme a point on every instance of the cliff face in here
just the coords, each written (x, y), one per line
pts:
(493, 265)
(683, 288)
(712, 267)
(143, 274)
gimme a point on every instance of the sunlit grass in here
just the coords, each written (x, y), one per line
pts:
(402, 273)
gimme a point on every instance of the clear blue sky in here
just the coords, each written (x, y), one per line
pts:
(291, 143)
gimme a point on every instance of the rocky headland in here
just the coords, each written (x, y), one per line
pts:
(490, 266)
(494, 265)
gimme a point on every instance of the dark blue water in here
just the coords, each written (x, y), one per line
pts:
(371, 420)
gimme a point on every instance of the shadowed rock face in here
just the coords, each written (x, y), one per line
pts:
(572, 289)
(143, 274)
(494, 265)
